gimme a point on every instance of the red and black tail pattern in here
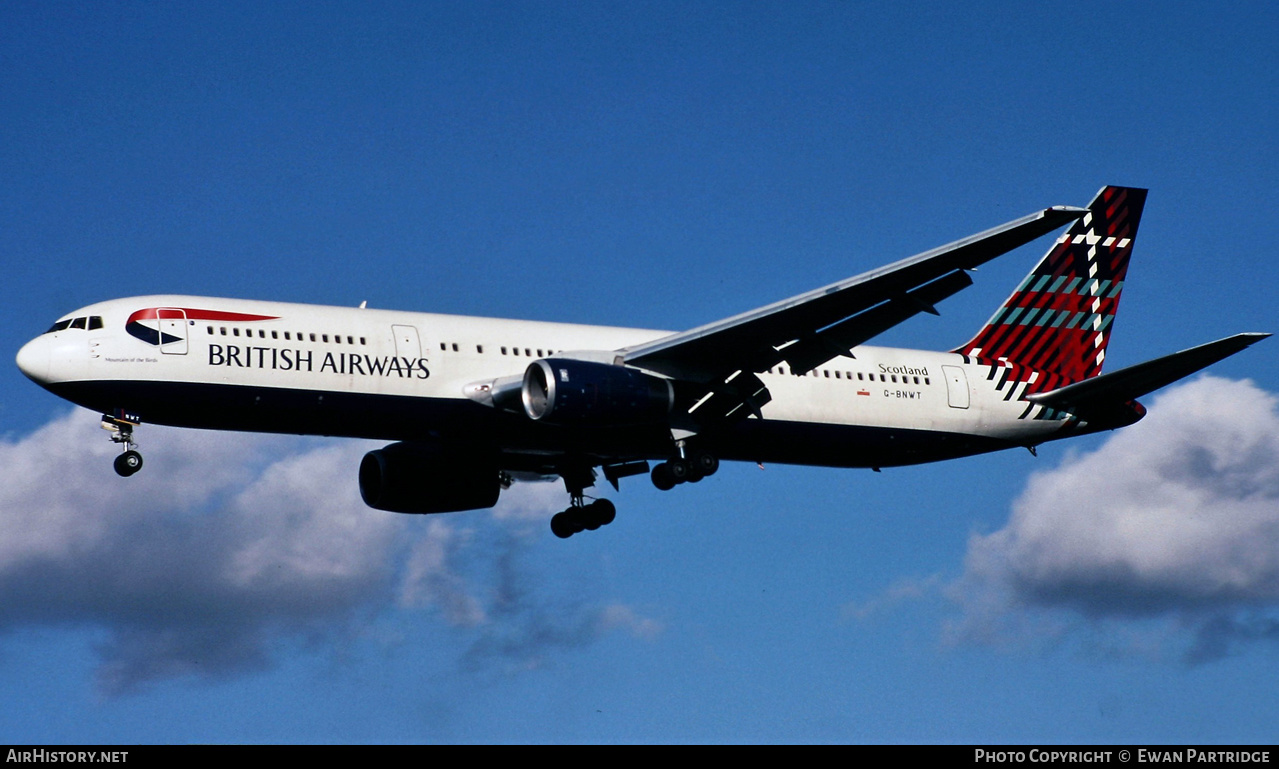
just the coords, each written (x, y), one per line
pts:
(1054, 329)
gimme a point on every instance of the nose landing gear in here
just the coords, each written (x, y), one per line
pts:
(121, 427)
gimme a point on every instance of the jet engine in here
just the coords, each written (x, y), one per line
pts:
(429, 478)
(576, 392)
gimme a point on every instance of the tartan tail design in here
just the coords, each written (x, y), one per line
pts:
(1054, 328)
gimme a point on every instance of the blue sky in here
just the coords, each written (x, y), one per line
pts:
(655, 165)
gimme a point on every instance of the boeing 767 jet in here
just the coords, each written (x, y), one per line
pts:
(474, 404)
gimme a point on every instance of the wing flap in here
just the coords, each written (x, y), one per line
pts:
(812, 351)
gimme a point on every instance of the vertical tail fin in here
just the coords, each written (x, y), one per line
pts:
(1054, 328)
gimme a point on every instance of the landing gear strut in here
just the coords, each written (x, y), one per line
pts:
(121, 428)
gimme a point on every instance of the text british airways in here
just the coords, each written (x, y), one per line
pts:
(306, 360)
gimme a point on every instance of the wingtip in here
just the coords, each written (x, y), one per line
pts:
(1059, 215)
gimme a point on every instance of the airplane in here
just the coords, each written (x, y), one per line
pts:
(474, 404)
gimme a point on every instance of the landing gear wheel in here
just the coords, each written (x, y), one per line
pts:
(678, 469)
(561, 526)
(603, 512)
(128, 463)
(662, 477)
(706, 464)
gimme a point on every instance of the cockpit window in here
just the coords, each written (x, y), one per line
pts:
(92, 323)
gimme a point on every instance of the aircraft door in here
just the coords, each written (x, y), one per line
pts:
(173, 330)
(956, 387)
(407, 344)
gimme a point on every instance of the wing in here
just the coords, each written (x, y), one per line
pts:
(807, 330)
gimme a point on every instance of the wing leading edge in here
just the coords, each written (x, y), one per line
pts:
(807, 330)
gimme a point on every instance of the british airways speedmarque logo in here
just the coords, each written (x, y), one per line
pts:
(154, 324)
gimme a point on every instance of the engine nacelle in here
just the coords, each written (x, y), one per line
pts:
(577, 392)
(429, 478)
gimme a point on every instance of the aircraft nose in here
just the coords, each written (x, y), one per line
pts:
(33, 360)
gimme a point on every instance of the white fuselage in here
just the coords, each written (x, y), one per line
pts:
(277, 367)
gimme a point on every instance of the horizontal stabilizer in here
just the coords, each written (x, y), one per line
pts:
(1101, 394)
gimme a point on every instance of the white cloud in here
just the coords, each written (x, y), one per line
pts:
(226, 542)
(903, 591)
(624, 617)
(1174, 520)
(431, 579)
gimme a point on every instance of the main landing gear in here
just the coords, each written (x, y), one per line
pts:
(685, 467)
(689, 468)
(121, 428)
(583, 517)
